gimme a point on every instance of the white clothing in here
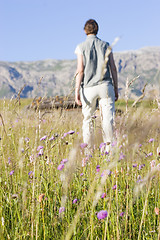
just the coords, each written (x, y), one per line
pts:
(105, 94)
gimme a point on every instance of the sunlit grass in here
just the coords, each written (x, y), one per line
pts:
(37, 201)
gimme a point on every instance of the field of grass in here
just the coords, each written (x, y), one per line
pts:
(50, 189)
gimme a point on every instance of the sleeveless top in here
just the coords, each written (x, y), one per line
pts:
(93, 51)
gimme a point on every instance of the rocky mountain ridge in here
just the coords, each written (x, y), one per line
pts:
(55, 77)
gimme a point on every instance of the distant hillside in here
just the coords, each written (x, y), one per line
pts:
(55, 77)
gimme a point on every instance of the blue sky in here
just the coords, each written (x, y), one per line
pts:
(50, 29)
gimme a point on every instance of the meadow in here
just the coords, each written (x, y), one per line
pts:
(50, 188)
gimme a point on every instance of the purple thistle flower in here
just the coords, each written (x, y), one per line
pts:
(75, 200)
(114, 187)
(83, 145)
(64, 135)
(39, 148)
(140, 145)
(61, 209)
(139, 177)
(40, 152)
(98, 168)
(106, 172)
(43, 138)
(151, 140)
(81, 174)
(27, 139)
(65, 160)
(141, 166)
(121, 214)
(11, 173)
(71, 132)
(122, 156)
(102, 214)
(52, 138)
(134, 165)
(150, 154)
(30, 173)
(114, 143)
(102, 145)
(103, 195)
(60, 167)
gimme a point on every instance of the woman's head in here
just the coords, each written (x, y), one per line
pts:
(91, 27)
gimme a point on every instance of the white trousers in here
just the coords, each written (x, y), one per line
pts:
(105, 94)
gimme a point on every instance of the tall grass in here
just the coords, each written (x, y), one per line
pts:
(38, 201)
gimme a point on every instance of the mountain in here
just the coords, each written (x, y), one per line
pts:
(56, 77)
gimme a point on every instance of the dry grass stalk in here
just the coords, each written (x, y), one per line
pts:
(128, 84)
(18, 95)
(3, 123)
(141, 97)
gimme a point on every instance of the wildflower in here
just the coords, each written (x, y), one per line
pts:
(71, 132)
(83, 145)
(151, 140)
(121, 214)
(103, 195)
(134, 165)
(64, 135)
(61, 209)
(102, 146)
(114, 187)
(114, 143)
(140, 145)
(150, 154)
(40, 152)
(41, 196)
(122, 156)
(102, 214)
(98, 168)
(106, 172)
(81, 174)
(27, 140)
(52, 138)
(75, 200)
(60, 167)
(156, 210)
(141, 166)
(39, 148)
(11, 173)
(84, 161)
(30, 174)
(64, 161)
(43, 138)
(22, 150)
